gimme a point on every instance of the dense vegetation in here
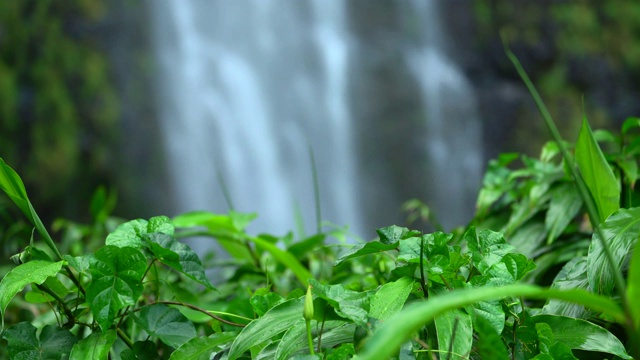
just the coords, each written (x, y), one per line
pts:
(548, 269)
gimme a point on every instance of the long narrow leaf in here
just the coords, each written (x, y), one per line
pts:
(13, 186)
(284, 258)
(387, 339)
(597, 173)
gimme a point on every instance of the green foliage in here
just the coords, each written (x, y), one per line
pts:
(531, 277)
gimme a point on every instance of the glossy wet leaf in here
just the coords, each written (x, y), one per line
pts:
(201, 348)
(583, 335)
(116, 281)
(165, 323)
(349, 304)
(274, 322)
(95, 346)
(392, 234)
(596, 172)
(621, 231)
(387, 339)
(128, 234)
(572, 276)
(178, 256)
(263, 300)
(36, 271)
(53, 343)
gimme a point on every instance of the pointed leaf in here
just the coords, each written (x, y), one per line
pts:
(116, 281)
(365, 249)
(284, 258)
(390, 298)
(95, 346)
(128, 234)
(178, 256)
(36, 271)
(597, 173)
(621, 231)
(201, 348)
(583, 335)
(160, 224)
(392, 234)
(165, 323)
(274, 322)
(13, 186)
(53, 344)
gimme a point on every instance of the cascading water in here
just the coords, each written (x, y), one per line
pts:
(453, 130)
(247, 87)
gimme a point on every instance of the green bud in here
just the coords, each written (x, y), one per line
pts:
(307, 312)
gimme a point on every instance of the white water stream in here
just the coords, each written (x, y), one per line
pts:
(246, 86)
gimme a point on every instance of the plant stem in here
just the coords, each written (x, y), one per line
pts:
(310, 338)
(206, 312)
(316, 190)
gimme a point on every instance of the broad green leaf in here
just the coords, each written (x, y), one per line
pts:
(53, 343)
(201, 348)
(263, 300)
(274, 322)
(390, 298)
(573, 275)
(633, 286)
(621, 231)
(349, 304)
(116, 281)
(95, 346)
(392, 234)
(13, 186)
(165, 323)
(36, 271)
(128, 234)
(560, 351)
(179, 256)
(583, 335)
(492, 312)
(597, 173)
(564, 206)
(388, 338)
(160, 224)
(545, 337)
(490, 345)
(455, 334)
(365, 249)
(630, 123)
(284, 258)
(488, 247)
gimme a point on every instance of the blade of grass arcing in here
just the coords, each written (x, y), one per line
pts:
(582, 187)
(225, 190)
(391, 334)
(316, 189)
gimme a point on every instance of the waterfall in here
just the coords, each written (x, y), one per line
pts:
(246, 87)
(453, 130)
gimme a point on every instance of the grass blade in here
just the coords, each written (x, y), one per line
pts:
(387, 339)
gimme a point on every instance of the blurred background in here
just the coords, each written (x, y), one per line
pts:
(218, 105)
